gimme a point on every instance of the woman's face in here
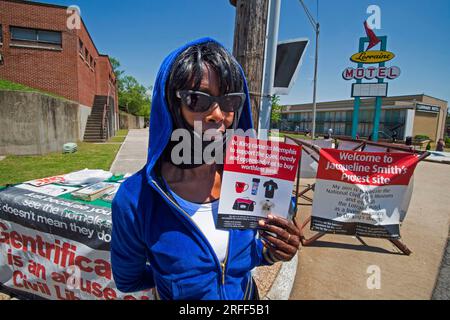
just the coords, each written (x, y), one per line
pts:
(215, 118)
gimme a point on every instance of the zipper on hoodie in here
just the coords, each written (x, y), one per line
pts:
(223, 272)
(247, 291)
(223, 264)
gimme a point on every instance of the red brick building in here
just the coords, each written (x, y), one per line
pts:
(42, 50)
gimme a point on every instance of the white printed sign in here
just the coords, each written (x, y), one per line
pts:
(362, 193)
(257, 180)
(51, 189)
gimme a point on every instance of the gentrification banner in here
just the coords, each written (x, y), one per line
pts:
(257, 180)
(362, 193)
(54, 248)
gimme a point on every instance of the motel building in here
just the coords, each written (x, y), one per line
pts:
(407, 115)
(44, 46)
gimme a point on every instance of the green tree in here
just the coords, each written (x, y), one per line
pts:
(275, 116)
(134, 98)
(116, 68)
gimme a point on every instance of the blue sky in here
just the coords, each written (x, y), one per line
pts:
(140, 33)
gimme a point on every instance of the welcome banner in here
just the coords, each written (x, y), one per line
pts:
(362, 193)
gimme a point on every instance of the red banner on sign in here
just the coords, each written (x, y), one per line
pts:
(366, 168)
(267, 158)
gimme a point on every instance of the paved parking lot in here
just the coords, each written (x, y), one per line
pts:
(336, 267)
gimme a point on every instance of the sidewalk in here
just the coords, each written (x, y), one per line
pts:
(336, 267)
(132, 156)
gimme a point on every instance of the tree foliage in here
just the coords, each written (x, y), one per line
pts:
(275, 116)
(134, 98)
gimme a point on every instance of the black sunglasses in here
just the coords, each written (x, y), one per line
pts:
(198, 101)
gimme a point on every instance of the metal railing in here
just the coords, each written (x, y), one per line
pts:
(104, 121)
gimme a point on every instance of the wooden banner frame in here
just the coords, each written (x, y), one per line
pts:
(310, 148)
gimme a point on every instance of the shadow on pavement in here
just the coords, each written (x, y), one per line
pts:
(346, 246)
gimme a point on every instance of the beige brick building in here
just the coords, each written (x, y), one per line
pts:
(409, 115)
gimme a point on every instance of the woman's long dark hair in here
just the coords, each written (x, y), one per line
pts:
(187, 73)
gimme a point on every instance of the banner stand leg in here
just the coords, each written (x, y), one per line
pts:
(401, 246)
(307, 242)
(361, 240)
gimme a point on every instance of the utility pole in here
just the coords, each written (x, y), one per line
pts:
(249, 47)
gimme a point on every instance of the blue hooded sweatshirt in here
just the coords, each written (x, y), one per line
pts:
(156, 244)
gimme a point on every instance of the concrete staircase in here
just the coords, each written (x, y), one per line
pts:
(93, 132)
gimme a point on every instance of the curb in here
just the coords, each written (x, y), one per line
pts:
(284, 281)
(442, 287)
(437, 161)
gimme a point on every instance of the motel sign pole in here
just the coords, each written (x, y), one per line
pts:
(357, 99)
(378, 100)
(378, 89)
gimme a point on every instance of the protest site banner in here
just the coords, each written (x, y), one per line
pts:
(54, 248)
(362, 193)
(257, 180)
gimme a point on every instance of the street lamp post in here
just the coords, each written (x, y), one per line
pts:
(273, 22)
(315, 82)
(316, 27)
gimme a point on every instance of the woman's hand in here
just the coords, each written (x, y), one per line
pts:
(285, 245)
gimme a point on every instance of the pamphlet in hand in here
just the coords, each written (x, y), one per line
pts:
(258, 179)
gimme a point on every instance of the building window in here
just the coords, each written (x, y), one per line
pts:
(80, 46)
(86, 54)
(23, 34)
(35, 37)
(1, 34)
(49, 37)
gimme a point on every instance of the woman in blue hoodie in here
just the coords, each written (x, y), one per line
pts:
(164, 233)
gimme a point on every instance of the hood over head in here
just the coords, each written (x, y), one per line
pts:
(161, 119)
